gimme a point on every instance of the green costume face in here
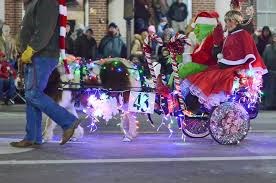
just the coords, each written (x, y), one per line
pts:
(202, 31)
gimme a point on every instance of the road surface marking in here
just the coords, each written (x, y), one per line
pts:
(69, 142)
(5, 147)
(134, 160)
(118, 132)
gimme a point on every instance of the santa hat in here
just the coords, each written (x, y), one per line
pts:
(62, 32)
(207, 18)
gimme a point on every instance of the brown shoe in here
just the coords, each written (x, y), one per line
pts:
(67, 134)
(25, 144)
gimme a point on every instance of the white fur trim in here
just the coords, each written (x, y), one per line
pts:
(258, 69)
(62, 31)
(237, 31)
(205, 20)
(63, 10)
(237, 62)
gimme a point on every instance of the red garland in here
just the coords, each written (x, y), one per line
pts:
(176, 47)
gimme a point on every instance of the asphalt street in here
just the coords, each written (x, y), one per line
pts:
(153, 157)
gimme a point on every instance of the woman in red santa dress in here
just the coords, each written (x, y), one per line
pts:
(214, 85)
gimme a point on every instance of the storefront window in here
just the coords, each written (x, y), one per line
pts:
(266, 14)
(76, 13)
(2, 10)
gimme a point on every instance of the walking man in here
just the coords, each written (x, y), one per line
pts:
(39, 38)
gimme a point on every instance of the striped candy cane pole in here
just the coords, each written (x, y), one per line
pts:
(182, 38)
(62, 32)
(148, 51)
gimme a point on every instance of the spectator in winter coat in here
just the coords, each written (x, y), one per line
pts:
(69, 42)
(112, 45)
(86, 46)
(269, 56)
(161, 26)
(161, 8)
(264, 39)
(7, 77)
(8, 45)
(137, 45)
(141, 15)
(178, 14)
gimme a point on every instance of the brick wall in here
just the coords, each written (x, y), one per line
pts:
(98, 12)
(13, 14)
(98, 17)
(202, 5)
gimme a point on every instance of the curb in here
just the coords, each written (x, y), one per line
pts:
(13, 108)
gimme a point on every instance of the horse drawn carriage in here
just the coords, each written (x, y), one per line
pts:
(228, 123)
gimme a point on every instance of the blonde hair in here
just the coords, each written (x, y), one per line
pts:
(233, 15)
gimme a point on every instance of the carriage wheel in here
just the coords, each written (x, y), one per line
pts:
(196, 127)
(229, 123)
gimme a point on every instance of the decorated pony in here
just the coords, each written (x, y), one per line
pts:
(110, 82)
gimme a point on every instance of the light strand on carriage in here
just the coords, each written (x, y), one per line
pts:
(100, 105)
(165, 118)
(250, 82)
(101, 102)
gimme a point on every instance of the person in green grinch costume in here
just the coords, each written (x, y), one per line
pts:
(208, 34)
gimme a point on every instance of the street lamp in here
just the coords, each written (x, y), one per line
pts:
(128, 16)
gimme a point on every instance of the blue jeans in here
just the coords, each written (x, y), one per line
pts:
(8, 86)
(36, 78)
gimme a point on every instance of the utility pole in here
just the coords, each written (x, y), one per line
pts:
(128, 16)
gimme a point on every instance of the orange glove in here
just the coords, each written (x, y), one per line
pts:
(218, 35)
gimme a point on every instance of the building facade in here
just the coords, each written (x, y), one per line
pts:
(98, 13)
(81, 13)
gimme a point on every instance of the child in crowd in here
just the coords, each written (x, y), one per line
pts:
(7, 77)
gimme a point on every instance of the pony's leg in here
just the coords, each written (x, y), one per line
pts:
(49, 130)
(128, 126)
(124, 124)
(132, 130)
